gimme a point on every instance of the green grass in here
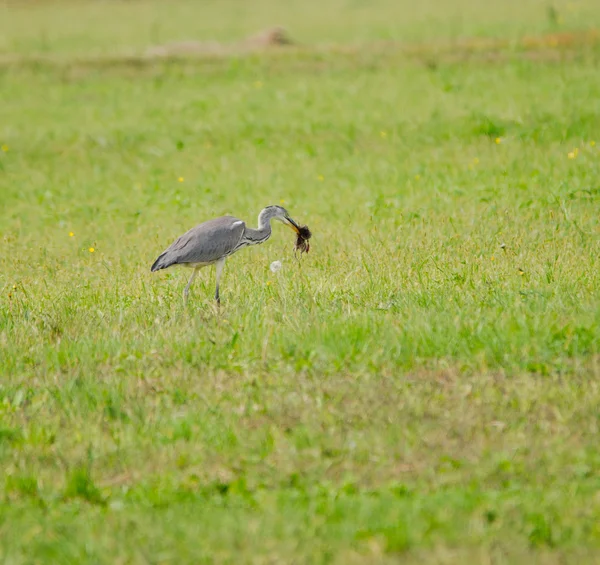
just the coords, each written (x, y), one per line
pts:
(423, 386)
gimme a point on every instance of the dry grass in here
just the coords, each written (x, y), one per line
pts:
(275, 42)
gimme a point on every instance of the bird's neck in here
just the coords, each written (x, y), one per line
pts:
(264, 221)
(260, 234)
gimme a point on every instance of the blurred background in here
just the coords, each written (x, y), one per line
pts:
(109, 27)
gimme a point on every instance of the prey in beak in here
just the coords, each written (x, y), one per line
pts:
(302, 236)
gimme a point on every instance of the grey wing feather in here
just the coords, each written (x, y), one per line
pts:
(204, 243)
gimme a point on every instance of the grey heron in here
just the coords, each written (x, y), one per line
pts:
(213, 241)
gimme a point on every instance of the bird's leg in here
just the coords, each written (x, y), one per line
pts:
(219, 268)
(186, 291)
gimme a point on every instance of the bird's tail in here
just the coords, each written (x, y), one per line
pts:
(160, 263)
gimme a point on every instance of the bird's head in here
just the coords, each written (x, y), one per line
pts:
(277, 213)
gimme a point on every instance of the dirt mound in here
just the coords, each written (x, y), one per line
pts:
(273, 37)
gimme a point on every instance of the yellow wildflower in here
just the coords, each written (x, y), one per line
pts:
(91, 250)
(498, 140)
(180, 179)
(320, 177)
(71, 234)
(5, 148)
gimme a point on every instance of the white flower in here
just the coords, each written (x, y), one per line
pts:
(275, 266)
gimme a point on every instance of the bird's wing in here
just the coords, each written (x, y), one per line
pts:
(204, 243)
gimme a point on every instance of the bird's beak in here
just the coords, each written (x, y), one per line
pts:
(292, 224)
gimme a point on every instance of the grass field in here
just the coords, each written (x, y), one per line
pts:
(421, 388)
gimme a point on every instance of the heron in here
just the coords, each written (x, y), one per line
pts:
(213, 241)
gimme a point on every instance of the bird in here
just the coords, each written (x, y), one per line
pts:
(214, 240)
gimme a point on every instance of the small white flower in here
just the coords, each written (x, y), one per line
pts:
(275, 266)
